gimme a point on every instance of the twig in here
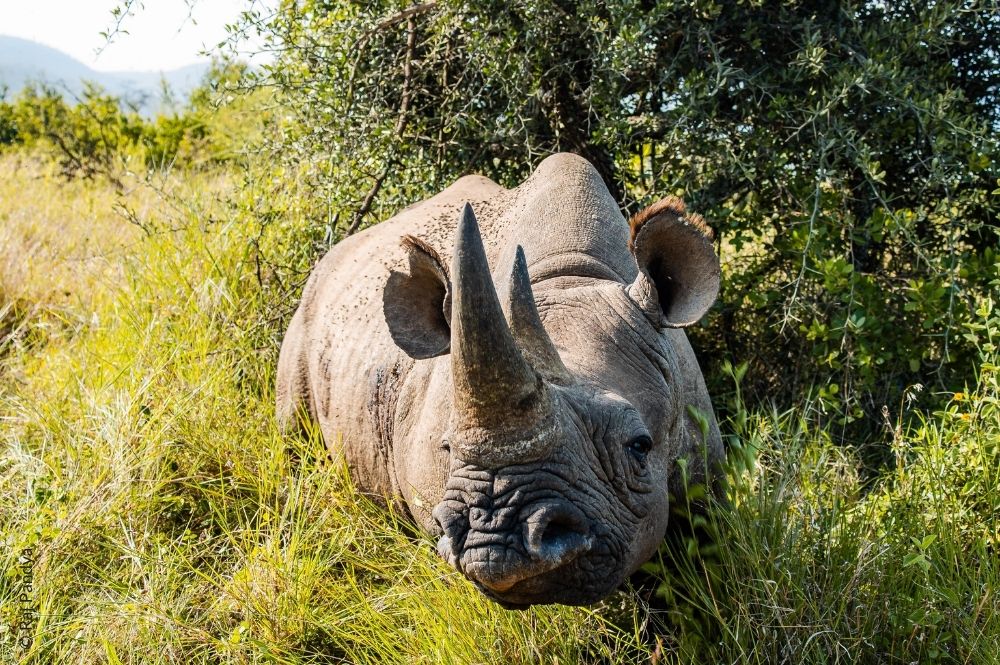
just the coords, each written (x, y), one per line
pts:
(809, 236)
(119, 12)
(407, 14)
(401, 118)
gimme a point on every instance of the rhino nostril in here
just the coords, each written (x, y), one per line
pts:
(557, 535)
(559, 530)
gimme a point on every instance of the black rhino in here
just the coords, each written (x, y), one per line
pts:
(510, 366)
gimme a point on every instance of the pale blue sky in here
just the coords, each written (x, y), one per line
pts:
(161, 34)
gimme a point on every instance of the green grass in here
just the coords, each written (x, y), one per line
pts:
(169, 521)
(812, 564)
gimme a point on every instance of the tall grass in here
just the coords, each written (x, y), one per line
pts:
(809, 562)
(169, 521)
(150, 512)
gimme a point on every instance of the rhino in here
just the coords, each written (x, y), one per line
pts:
(509, 368)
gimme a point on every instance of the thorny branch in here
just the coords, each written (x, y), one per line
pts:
(401, 118)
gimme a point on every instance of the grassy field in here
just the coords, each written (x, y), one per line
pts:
(150, 512)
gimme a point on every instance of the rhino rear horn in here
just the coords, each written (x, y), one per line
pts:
(498, 396)
(679, 271)
(526, 324)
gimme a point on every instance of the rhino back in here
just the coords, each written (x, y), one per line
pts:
(567, 222)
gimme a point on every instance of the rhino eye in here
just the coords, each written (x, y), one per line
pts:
(639, 447)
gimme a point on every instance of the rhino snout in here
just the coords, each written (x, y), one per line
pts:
(551, 535)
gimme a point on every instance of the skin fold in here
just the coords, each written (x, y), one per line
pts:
(509, 366)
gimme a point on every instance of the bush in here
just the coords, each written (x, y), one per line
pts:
(846, 153)
(807, 563)
(100, 134)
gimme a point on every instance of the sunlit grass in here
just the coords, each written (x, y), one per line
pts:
(809, 563)
(170, 520)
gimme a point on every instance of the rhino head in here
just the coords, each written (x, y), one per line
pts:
(568, 407)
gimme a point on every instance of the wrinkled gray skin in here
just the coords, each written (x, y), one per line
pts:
(530, 412)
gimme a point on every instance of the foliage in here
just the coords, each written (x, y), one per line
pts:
(807, 564)
(845, 152)
(100, 134)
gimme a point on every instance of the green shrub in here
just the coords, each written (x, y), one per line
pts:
(806, 562)
(99, 134)
(846, 153)
(8, 124)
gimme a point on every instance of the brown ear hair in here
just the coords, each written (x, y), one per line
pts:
(668, 205)
(417, 303)
(679, 271)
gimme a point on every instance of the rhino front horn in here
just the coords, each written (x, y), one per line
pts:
(502, 408)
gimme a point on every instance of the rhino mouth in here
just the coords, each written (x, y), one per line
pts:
(548, 553)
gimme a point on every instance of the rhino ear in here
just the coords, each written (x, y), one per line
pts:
(678, 276)
(417, 303)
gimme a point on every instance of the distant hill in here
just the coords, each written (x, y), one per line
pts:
(23, 61)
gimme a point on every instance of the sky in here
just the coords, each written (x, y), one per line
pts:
(163, 34)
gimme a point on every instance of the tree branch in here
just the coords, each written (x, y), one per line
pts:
(401, 118)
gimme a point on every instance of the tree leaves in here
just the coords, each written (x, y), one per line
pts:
(842, 150)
